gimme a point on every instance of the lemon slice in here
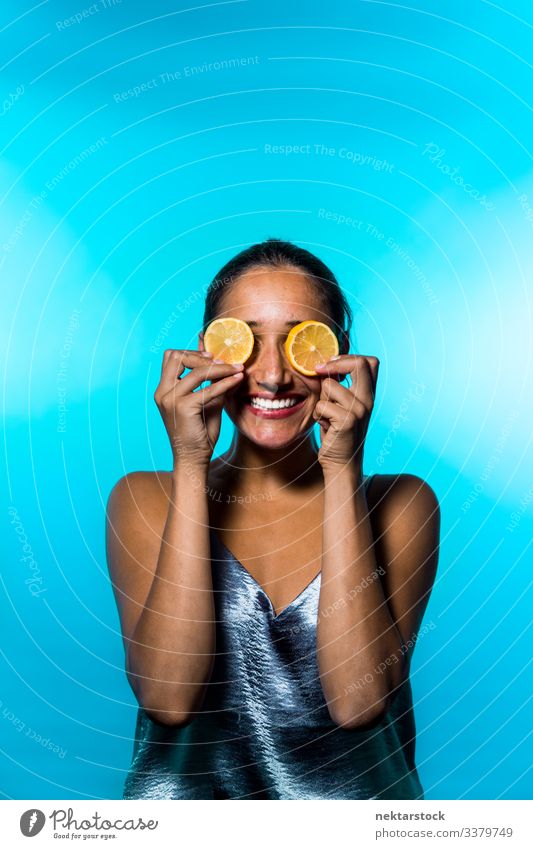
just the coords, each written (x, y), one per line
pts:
(310, 343)
(229, 339)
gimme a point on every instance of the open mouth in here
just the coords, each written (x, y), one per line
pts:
(274, 407)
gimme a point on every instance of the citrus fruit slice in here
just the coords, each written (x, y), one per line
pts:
(310, 343)
(229, 339)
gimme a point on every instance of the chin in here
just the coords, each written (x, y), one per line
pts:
(269, 435)
(272, 441)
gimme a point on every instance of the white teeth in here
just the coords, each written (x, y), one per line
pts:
(267, 404)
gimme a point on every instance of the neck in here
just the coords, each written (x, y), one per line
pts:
(274, 469)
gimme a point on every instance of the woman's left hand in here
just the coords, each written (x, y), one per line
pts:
(344, 412)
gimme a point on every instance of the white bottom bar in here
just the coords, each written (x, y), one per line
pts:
(252, 824)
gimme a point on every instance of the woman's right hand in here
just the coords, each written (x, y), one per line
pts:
(192, 419)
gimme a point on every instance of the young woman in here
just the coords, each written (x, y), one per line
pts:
(269, 599)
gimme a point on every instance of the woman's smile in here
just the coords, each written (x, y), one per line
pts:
(269, 406)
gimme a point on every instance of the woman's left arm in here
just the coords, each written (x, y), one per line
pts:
(370, 607)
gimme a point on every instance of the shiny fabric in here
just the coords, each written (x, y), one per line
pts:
(264, 731)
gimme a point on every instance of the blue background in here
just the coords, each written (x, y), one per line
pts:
(118, 207)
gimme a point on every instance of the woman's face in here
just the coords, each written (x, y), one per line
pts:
(271, 301)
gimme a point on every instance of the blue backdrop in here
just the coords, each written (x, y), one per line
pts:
(142, 147)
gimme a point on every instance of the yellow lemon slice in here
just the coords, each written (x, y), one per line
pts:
(310, 343)
(229, 339)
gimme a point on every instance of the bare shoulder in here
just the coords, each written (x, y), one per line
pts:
(402, 498)
(143, 495)
(137, 511)
(405, 516)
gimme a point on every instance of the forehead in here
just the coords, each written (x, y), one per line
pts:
(281, 296)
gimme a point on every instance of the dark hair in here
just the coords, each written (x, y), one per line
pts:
(277, 254)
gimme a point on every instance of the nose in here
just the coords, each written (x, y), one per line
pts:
(270, 368)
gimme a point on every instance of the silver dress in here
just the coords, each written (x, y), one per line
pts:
(264, 731)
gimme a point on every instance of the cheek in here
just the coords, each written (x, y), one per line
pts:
(314, 387)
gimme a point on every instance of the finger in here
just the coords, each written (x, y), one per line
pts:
(203, 396)
(337, 369)
(166, 355)
(346, 364)
(213, 371)
(333, 391)
(337, 415)
(175, 361)
(218, 388)
(362, 379)
(342, 364)
(187, 354)
(170, 352)
(363, 382)
(169, 374)
(321, 418)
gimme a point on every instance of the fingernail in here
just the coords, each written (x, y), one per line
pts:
(218, 361)
(337, 357)
(206, 353)
(237, 365)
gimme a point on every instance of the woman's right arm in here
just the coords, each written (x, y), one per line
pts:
(161, 569)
